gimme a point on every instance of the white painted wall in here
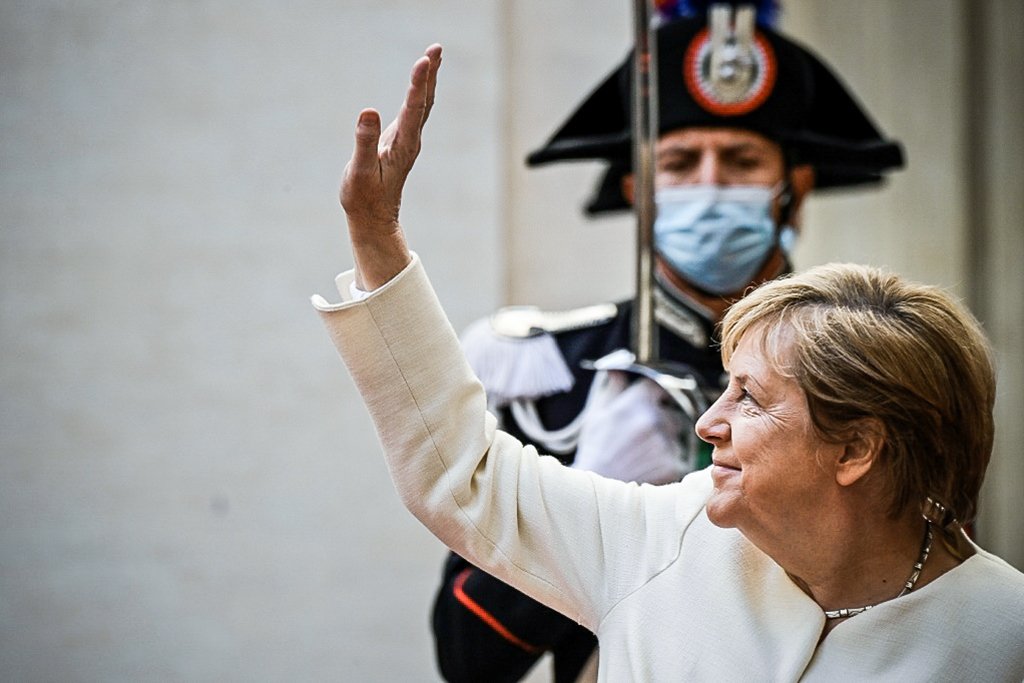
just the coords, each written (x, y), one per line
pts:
(189, 487)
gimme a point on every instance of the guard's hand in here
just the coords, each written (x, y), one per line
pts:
(371, 189)
(632, 431)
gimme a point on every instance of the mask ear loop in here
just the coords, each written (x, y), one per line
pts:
(782, 224)
(785, 203)
(784, 192)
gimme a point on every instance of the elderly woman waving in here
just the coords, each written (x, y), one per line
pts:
(824, 543)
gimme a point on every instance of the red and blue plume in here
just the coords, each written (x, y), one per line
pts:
(767, 10)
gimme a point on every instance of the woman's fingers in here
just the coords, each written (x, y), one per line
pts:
(419, 99)
(434, 55)
(361, 180)
(364, 157)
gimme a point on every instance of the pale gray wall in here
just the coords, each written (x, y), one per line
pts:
(189, 487)
(995, 229)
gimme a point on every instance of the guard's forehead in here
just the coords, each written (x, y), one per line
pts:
(719, 136)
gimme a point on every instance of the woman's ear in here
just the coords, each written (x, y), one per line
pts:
(861, 451)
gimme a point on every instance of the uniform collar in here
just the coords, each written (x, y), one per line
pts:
(680, 314)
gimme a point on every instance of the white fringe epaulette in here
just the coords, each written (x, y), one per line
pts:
(515, 356)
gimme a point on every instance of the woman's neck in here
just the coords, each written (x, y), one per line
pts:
(861, 561)
(858, 567)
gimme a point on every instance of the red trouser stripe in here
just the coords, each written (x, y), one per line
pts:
(486, 616)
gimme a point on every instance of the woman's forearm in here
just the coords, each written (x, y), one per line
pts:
(480, 491)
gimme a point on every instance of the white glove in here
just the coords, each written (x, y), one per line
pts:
(632, 431)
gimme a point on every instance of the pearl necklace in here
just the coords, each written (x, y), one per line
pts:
(926, 548)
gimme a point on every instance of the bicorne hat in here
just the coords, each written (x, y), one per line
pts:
(713, 72)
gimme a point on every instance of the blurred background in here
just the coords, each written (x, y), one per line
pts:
(190, 489)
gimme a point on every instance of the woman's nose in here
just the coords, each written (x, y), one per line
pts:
(712, 426)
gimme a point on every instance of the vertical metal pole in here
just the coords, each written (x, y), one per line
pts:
(645, 134)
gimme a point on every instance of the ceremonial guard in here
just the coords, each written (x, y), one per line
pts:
(749, 122)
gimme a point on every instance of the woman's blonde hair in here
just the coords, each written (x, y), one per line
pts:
(862, 343)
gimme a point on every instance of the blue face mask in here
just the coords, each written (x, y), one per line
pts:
(717, 238)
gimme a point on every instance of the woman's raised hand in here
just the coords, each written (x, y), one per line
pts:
(371, 189)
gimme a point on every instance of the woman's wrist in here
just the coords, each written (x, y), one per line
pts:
(380, 257)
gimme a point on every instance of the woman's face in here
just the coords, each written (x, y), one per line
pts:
(772, 474)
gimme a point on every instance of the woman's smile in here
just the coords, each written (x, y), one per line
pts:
(721, 468)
